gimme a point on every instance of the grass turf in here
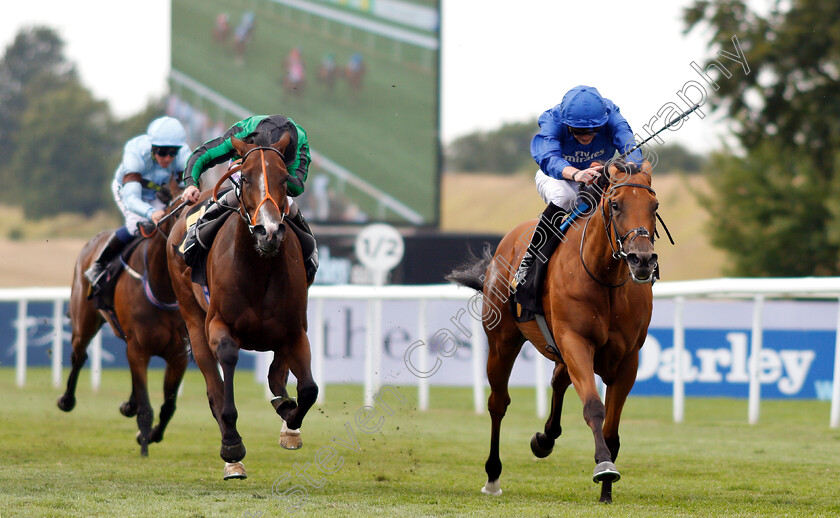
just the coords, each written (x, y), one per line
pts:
(417, 464)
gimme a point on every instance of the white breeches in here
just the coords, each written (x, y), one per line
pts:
(559, 192)
(132, 218)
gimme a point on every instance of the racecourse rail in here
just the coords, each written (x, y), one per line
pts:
(726, 288)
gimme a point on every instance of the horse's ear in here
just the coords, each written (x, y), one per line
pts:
(240, 146)
(283, 143)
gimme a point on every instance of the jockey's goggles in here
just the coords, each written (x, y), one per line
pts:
(584, 131)
(165, 150)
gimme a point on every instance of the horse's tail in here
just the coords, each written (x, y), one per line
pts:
(471, 273)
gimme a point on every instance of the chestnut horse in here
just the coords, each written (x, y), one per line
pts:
(147, 319)
(598, 320)
(257, 295)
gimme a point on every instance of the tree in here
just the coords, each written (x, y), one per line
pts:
(502, 151)
(36, 57)
(784, 114)
(64, 153)
(675, 157)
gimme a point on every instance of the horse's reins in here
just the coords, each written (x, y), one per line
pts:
(243, 211)
(164, 218)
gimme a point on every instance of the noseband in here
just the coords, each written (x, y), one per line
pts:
(243, 211)
(617, 241)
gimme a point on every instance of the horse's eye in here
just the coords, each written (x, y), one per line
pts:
(614, 206)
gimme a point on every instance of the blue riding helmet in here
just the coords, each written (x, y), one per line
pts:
(583, 107)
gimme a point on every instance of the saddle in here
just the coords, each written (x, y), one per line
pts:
(102, 294)
(200, 234)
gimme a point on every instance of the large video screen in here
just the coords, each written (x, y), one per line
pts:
(360, 76)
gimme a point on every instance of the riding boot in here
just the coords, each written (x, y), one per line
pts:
(308, 245)
(545, 240)
(97, 269)
(192, 240)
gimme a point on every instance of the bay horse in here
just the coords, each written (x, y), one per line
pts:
(598, 319)
(146, 318)
(257, 295)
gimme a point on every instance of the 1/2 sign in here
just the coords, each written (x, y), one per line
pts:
(380, 247)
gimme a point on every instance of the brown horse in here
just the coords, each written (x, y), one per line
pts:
(257, 296)
(146, 317)
(598, 320)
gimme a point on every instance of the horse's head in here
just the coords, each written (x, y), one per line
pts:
(262, 189)
(629, 207)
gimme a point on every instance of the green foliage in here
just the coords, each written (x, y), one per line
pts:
(767, 210)
(501, 151)
(675, 157)
(784, 114)
(64, 153)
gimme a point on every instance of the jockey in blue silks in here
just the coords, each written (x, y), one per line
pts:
(582, 129)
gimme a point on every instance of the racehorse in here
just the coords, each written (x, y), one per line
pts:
(598, 319)
(146, 318)
(257, 295)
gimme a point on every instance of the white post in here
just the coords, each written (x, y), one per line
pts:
(20, 344)
(58, 342)
(679, 351)
(369, 355)
(377, 347)
(423, 331)
(320, 345)
(540, 382)
(755, 359)
(835, 386)
(96, 361)
(477, 364)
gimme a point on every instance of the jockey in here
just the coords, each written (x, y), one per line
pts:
(148, 162)
(220, 150)
(582, 129)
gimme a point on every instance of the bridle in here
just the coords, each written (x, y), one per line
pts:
(616, 240)
(242, 210)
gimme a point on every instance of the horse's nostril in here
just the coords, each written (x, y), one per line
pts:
(633, 259)
(259, 230)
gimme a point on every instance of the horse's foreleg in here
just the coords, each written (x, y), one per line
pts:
(86, 322)
(176, 365)
(617, 393)
(578, 354)
(499, 365)
(227, 353)
(543, 443)
(139, 364)
(307, 391)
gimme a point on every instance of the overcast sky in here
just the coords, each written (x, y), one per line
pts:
(502, 61)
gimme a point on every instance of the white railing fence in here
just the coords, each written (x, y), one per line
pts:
(756, 289)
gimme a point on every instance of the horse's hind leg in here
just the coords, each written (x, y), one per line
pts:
(543, 443)
(499, 365)
(139, 364)
(617, 392)
(176, 365)
(86, 322)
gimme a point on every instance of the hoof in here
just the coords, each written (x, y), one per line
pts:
(128, 410)
(493, 488)
(156, 436)
(144, 447)
(234, 470)
(538, 450)
(605, 472)
(234, 453)
(290, 439)
(66, 403)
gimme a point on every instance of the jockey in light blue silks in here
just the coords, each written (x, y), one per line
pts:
(582, 129)
(147, 164)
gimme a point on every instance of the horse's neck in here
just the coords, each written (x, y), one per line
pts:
(157, 269)
(598, 251)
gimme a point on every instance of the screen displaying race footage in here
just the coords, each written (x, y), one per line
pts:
(360, 76)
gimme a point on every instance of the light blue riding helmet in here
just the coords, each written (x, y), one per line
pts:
(167, 132)
(583, 107)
